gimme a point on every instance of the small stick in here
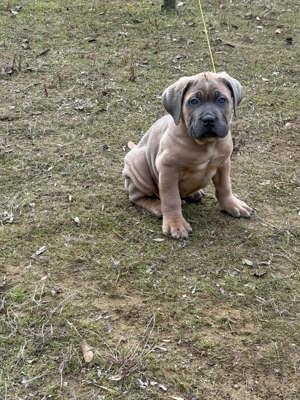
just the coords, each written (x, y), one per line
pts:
(46, 90)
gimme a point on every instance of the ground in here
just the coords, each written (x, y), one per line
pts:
(212, 317)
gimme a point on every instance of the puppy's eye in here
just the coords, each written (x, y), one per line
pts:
(221, 100)
(194, 101)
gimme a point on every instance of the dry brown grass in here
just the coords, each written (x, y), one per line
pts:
(85, 79)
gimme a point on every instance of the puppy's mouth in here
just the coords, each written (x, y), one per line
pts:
(207, 129)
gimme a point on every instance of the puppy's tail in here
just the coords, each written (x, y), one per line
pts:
(131, 145)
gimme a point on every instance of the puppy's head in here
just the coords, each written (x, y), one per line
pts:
(204, 103)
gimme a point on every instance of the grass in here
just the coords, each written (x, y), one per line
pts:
(169, 320)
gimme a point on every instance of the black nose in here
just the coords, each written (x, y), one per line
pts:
(208, 120)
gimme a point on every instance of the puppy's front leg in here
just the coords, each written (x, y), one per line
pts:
(228, 202)
(173, 222)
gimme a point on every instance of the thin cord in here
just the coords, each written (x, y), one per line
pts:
(207, 37)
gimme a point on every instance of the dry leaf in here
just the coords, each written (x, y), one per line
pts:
(25, 44)
(259, 274)
(163, 387)
(289, 125)
(245, 261)
(143, 385)
(39, 251)
(268, 263)
(87, 351)
(116, 378)
(76, 221)
(123, 34)
(7, 70)
(13, 12)
(7, 217)
(90, 39)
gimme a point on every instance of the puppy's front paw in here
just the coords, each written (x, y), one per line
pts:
(236, 208)
(177, 227)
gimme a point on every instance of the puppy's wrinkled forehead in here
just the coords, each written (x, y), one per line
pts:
(207, 87)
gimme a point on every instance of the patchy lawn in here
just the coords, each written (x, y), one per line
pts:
(213, 317)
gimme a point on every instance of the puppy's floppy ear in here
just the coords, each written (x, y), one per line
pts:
(172, 97)
(235, 87)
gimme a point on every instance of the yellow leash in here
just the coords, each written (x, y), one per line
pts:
(207, 37)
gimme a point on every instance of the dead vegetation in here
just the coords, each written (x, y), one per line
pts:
(213, 317)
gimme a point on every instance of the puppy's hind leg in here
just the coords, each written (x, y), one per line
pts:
(150, 204)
